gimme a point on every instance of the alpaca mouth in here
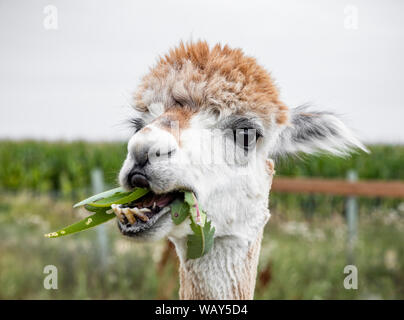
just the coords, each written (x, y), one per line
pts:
(141, 214)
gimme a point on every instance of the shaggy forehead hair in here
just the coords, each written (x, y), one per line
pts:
(218, 79)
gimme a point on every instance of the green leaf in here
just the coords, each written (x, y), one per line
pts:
(120, 198)
(189, 198)
(201, 241)
(93, 209)
(105, 201)
(100, 216)
(179, 211)
(198, 243)
(100, 208)
(197, 215)
(99, 196)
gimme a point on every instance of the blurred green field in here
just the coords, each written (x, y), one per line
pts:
(303, 252)
(300, 259)
(65, 166)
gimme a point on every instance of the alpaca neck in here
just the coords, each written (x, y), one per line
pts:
(228, 271)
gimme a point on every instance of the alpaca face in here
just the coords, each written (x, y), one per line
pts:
(206, 121)
(222, 160)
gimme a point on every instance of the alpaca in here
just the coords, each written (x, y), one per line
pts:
(207, 119)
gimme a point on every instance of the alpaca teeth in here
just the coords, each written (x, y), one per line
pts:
(118, 212)
(129, 215)
(140, 213)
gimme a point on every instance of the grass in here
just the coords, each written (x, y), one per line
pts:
(306, 259)
(301, 258)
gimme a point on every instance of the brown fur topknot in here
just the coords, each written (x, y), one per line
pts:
(219, 79)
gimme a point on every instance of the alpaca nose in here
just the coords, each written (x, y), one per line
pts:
(146, 147)
(137, 179)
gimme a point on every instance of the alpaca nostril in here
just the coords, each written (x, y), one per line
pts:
(136, 179)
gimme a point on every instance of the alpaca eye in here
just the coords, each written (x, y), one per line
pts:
(245, 138)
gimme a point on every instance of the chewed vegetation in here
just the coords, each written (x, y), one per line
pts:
(182, 205)
(303, 252)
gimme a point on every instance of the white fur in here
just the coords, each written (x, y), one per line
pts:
(233, 194)
(337, 139)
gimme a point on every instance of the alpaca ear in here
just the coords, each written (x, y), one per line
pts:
(314, 132)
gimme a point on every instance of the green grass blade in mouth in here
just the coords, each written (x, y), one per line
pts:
(120, 198)
(99, 196)
(100, 216)
(99, 204)
(198, 243)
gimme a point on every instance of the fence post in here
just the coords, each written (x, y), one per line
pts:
(97, 184)
(352, 218)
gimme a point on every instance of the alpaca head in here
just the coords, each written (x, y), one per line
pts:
(206, 120)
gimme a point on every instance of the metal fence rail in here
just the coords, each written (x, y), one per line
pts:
(351, 188)
(369, 188)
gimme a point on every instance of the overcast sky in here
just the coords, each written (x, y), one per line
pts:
(75, 82)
